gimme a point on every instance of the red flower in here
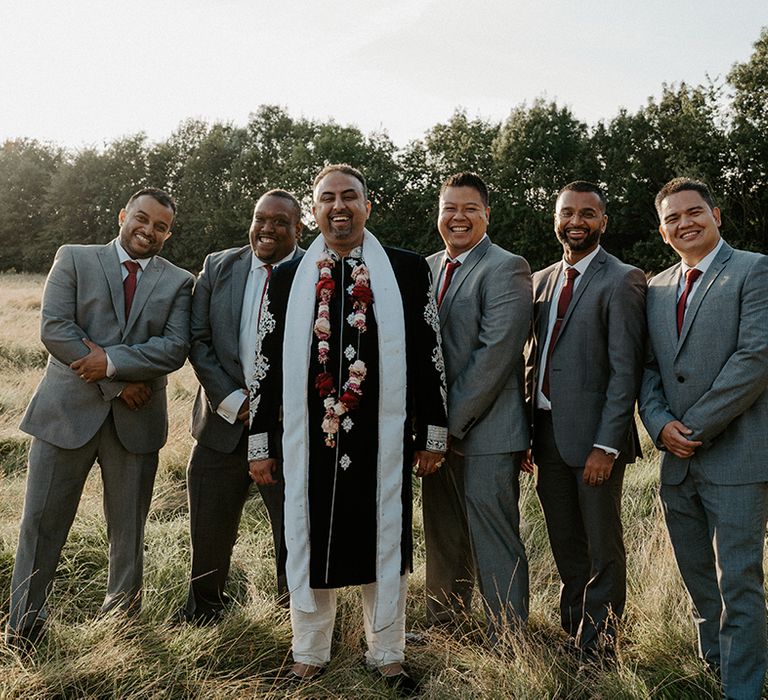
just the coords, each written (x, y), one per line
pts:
(362, 293)
(324, 384)
(325, 283)
(350, 400)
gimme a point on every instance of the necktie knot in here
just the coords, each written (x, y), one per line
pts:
(691, 276)
(132, 266)
(571, 273)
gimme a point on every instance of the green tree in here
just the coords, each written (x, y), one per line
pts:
(26, 170)
(747, 204)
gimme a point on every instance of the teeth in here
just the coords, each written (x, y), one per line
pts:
(460, 229)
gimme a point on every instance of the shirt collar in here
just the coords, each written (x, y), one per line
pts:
(122, 256)
(583, 264)
(462, 257)
(704, 263)
(256, 263)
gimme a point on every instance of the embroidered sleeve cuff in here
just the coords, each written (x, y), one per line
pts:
(437, 438)
(258, 446)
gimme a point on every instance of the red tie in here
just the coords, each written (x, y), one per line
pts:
(268, 270)
(449, 269)
(690, 277)
(563, 302)
(129, 285)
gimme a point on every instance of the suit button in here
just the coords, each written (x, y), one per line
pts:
(681, 379)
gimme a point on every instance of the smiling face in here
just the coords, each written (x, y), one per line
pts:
(340, 210)
(462, 219)
(689, 225)
(144, 226)
(579, 223)
(275, 228)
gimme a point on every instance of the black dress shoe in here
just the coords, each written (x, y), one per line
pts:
(402, 683)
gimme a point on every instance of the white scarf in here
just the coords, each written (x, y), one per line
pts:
(297, 346)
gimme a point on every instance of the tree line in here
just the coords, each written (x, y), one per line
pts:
(717, 132)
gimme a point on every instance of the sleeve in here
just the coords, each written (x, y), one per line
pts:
(626, 351)
(652, 404)
(166, 351)
(265, 393)
(744, 377)
(218, 384)
(59, 331)
(505, 308)
(426, 368)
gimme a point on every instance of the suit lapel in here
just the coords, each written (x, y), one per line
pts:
(714, 270)
(543, 311)
(240, 270)
(460, 274)
(593, 269)
(666, 316)
(110, 263)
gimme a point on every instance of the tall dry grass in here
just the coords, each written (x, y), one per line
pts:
(87, 656)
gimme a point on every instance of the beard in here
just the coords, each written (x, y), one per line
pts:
(589, 241)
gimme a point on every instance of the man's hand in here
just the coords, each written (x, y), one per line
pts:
(244, 414)
(598, 467)
(136, 395)
(426, 462)
(262, 470)
(527, 464)
(673, 435)
(93, 366)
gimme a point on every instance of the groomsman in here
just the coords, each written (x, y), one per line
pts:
(226, 305)
(471, 514)
(587, 362)
(115, 321)
(705, 404)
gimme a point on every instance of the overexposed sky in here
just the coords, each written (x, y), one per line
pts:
(83, 72)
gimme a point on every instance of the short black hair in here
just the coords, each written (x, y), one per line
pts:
(284, 194)
(341, 168)
(158, 195)
(585, 186)
(682, 184)
(466, 179)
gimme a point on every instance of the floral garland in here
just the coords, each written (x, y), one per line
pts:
(362, 297)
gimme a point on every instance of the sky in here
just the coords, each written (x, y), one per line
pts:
(85, 72)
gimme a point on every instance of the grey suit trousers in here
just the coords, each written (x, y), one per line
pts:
(472, 521)
(218, 486)
(55, 483)
(717, 532)
(586, 536)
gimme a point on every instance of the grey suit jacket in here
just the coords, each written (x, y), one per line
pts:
(597, 361)
(217, 305)
(485, 318)
(83, 298)
(714, 377)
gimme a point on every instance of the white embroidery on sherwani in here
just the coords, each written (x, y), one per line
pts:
(388, 308)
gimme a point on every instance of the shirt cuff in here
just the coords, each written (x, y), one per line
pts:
(230, 406)
(608, 450)
(111, 369)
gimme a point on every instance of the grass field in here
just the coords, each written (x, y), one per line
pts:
(246, 655)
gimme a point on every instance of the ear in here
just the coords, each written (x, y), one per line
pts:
(487, 214)
(121, 217)
(663, 235)
(716, 215)
(367, 208)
